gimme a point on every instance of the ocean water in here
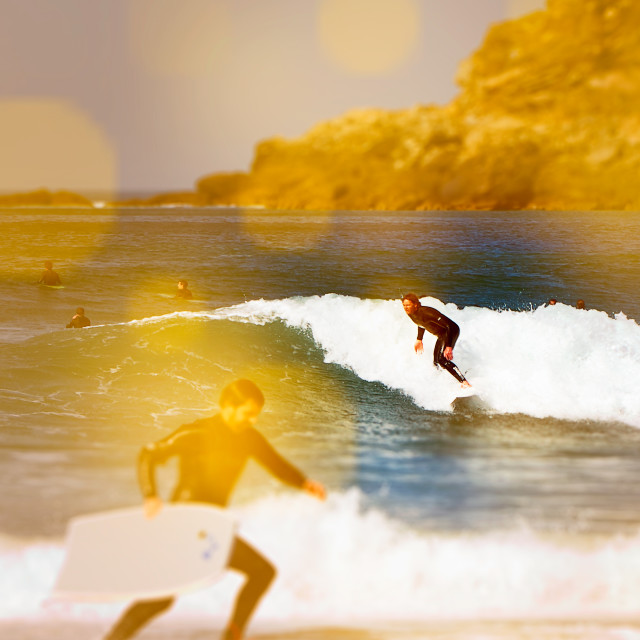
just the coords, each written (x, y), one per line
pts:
(518, 521)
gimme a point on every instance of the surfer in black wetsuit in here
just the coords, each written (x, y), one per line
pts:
(49, 277)
(79, 320)
(445, 330)
(213, 453)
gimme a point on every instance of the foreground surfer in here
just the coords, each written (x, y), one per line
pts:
(445, 329)
(49, 277)
(213, 452)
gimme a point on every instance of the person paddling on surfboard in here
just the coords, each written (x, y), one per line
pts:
(445, 329)
(213, 453)
(49, 276)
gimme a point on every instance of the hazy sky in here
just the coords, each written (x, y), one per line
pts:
(149, 95)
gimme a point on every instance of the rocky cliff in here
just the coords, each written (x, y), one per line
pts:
(547, 117)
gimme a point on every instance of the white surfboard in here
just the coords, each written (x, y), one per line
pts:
(122, 555)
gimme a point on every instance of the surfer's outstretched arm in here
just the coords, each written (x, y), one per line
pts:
(282, 469)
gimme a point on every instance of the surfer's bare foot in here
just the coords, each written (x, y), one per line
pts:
(466, 384)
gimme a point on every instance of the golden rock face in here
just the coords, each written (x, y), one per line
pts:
(547, 118)
(45, 198)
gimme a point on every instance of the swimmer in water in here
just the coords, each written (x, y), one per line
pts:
(183, 290)
(445, 330)
(79, 320)
(49, 276)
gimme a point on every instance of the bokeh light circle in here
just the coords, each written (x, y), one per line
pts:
(53, 144)
(368, 37)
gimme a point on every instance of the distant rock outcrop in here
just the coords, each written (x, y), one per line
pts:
(44, 198)
(547, 118)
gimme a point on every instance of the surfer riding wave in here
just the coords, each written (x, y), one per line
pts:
(445, 330)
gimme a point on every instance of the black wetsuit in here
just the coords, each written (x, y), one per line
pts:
(79, 322)
(50, 278)
(446, 331)
(211, 458)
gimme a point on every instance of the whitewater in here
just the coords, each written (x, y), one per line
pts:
(552, 361)
(365, 567)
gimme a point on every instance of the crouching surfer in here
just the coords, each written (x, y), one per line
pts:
(445, 330)
(213, 452)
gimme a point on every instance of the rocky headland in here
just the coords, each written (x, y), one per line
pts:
(546, 118)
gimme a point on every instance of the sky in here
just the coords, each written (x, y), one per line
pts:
(121, 96)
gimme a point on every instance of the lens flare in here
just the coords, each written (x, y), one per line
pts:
(368, 37)
(172, 37)
(52, 143)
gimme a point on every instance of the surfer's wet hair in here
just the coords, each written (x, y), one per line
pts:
(412, 297)
(239, 391)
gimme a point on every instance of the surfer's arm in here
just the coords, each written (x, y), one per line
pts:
(146, 471)
(271, 460)
(155, 453)
(314, 488)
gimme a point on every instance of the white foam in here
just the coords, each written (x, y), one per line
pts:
(339, 563)
(549, 362)
(553, 361)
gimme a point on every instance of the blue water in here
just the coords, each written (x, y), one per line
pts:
(308, 306)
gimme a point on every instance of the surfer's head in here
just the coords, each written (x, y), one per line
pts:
(580, 304)
(241, 403)
(410, 302)
(48, 264)
(80, 311)
(552, 301)
(182, 284)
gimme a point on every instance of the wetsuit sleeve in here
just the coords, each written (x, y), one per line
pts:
(180, 442)
(450, 329)
(437, 323)
(271, 460)
(420, 333)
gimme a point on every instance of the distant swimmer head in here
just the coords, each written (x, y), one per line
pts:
(580, 304)
(48, 264)
(80, 311)
(182, 284)
(241, 402)
(552, 301)
(410, 302)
